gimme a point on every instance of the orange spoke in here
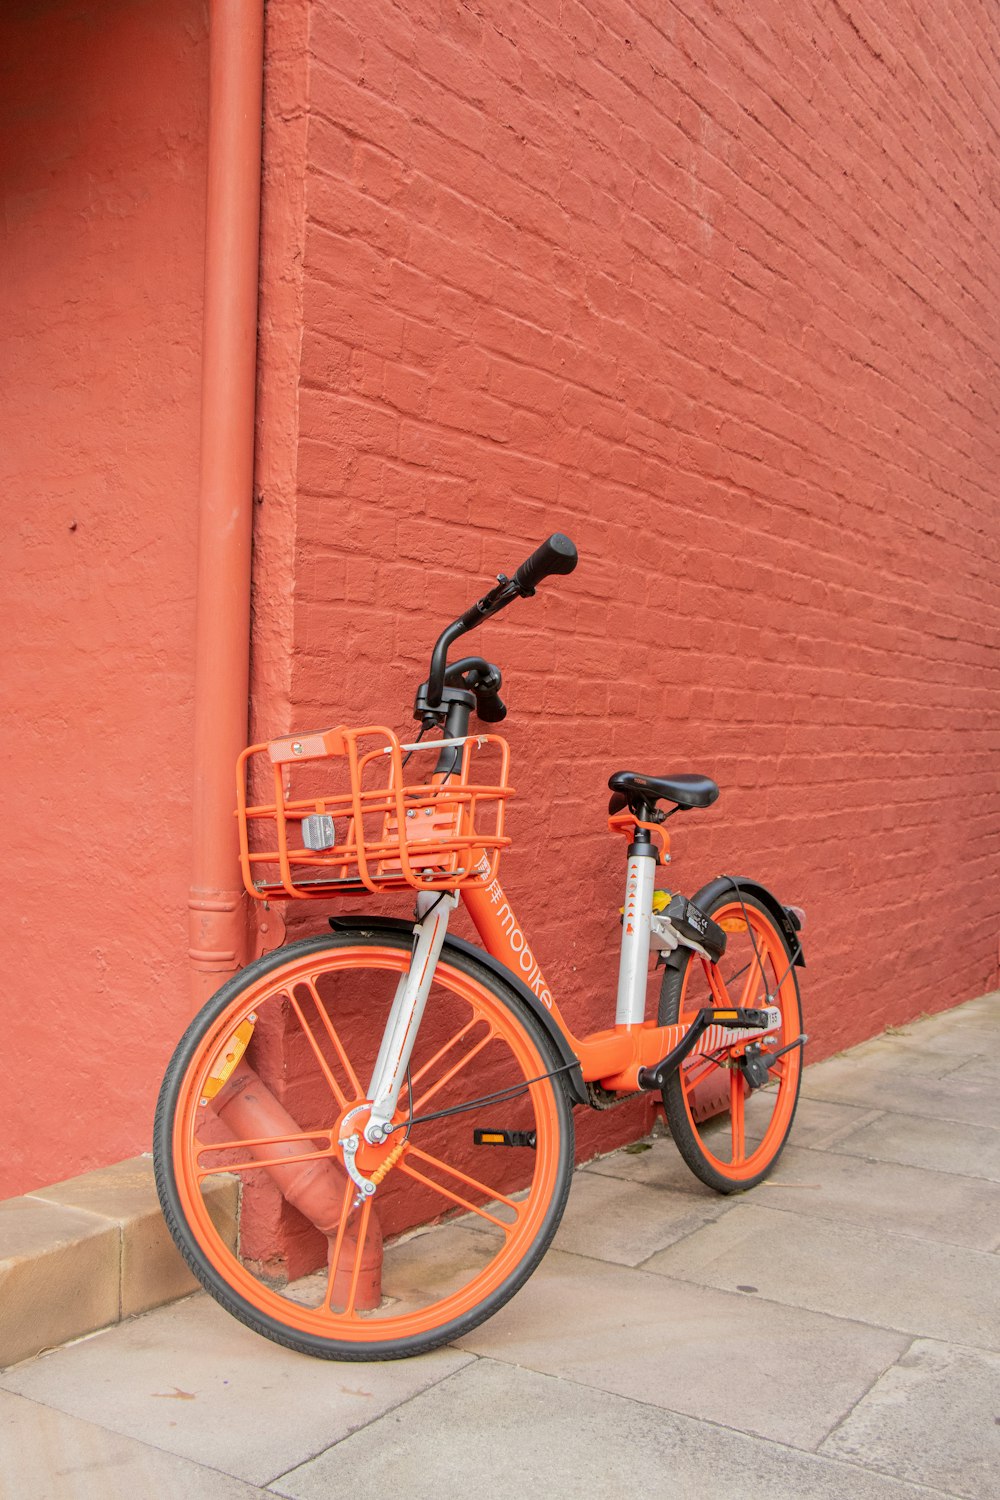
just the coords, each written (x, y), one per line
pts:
(472, 1208)
(345, 1214)
(452, 1041)
(699, 1070)
(736, 1100)
(463, 1062)
(255, 1165)
(717, 986)
(324, 1066)
(335, 1039)
(463, 1177)
(366, 1213)
(472, 1182)
(756, 972)
(262, 1140)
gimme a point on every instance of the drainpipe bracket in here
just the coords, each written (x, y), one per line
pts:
(268, 929)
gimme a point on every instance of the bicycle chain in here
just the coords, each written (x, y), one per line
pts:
(602, 1098)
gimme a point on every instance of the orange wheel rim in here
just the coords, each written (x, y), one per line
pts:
(506, 1222)
(746, 1156)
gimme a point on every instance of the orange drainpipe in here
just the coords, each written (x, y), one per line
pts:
(218, 924)
(218, 920)
(314, 1186)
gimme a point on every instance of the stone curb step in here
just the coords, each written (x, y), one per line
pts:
(89, 1252)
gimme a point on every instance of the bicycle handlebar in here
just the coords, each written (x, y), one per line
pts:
(556, 555)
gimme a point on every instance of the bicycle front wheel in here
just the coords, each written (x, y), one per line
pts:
(471, 1184)
(730, 1134)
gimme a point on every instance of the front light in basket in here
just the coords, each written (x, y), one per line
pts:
(318, 832)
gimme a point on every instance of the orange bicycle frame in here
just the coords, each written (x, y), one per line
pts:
(611, 1057)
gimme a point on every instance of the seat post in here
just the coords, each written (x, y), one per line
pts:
(633, 969)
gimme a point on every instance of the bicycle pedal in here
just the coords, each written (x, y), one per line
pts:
(746, 1017)
(504, 1138)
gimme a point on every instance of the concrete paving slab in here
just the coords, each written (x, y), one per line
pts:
(653, 1162)
(884, 1195)
(910, 1053)
(984, 1010)
(968, 1027)
(932, 1418)
(677, 1346)
(46, 1455)
(921, 1141)
(820, 1121)
(982, 1071)
(962, 1096)
(614, 1220)
(190, 1380)
(948, 1038)
(962, 1031)
(884, 1280)
(59, 1275)
(656, 1162)
(503, 1434)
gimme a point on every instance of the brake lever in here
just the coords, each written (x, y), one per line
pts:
(490, 708)
(490, 604)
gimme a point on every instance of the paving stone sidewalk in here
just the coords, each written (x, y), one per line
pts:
(834, 1333)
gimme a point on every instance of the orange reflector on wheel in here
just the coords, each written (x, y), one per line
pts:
(230, 1056)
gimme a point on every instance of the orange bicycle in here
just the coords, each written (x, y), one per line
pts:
(396, 1104)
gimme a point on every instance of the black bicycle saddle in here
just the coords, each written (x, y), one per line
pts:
(686, 790)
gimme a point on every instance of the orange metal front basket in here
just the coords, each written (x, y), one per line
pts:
(336, 815)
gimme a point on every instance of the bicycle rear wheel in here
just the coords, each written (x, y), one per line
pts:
(730, 1134)
(472, 1182)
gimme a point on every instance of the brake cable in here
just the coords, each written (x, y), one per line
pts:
(497, 1098)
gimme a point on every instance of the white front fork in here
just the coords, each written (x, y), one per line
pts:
(433, 911)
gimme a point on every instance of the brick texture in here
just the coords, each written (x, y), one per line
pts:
(103, 117)
(713, 290)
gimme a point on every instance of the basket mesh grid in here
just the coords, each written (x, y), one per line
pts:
(349, 809)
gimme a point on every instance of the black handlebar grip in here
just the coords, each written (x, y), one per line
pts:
(557, 555)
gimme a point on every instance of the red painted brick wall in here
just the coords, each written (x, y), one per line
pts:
(715, 292)
(102, 186)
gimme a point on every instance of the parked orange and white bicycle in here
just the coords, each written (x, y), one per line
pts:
(395, 1103)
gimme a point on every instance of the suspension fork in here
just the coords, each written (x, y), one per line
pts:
(433, 912)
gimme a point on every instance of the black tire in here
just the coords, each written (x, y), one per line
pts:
(764, 1116)
(479, 1037)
